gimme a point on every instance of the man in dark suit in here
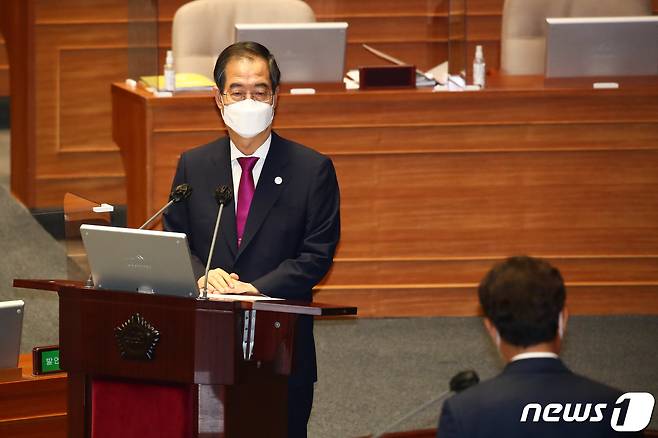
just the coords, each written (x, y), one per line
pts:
(523, 299)
(279, 234)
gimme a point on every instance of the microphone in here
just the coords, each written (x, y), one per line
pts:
(464, 380)
(223, 195)
(459, 382)
(180, 193)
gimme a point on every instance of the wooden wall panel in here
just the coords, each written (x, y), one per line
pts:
(407, 28)
(366, 7)
(582, 269)
(4, 68)
(66, 57)
(4, 59)
(16, 18)
(87, 103)
(98, 188)
(475, 138)
(78, 56)
(81, 11)
(461, 300)
(424, 56)
(395, 7)
(346, 140)
(499, 203)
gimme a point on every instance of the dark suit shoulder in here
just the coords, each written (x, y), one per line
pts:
(595, 390)
(498, 404)
(207, 150)
(536, 380)
(300, 152)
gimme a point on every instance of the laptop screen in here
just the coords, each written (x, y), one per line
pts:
(304, 52)
(143, 261)
(11, 328)
(602, 46)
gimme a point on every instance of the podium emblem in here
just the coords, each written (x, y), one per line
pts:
(137, 338)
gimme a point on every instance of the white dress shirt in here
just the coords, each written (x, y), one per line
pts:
(535, 355)
(236, 170)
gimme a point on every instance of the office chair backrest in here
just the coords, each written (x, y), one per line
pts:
(203, 28)
(523, 39)
(609, 8)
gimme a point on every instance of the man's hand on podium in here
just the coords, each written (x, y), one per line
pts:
(220, 281)
(243, 288)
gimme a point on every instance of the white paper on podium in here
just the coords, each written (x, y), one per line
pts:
(238, 297)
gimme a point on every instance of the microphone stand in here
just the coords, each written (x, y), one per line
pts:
(413, 413)
(222, 196)
(458, 383)
(152, 218)
(180, 193)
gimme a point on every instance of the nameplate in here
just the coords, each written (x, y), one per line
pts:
(387, 76)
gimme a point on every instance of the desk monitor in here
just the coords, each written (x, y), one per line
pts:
(139, 260)
(304, 52)
(11, 328)
(602, 46)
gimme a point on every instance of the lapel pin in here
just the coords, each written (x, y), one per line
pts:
(278, 180)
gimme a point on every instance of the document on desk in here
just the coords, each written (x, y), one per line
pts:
(241, 297)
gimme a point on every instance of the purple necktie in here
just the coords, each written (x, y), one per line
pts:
(245, 193)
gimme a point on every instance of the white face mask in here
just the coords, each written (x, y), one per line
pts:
(248, 118)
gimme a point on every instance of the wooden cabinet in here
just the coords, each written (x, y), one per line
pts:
(33, 406)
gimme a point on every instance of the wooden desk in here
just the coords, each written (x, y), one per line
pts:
(34, 406)
(64, 54)
(436, 187)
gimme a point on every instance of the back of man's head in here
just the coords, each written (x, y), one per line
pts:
(523, 297)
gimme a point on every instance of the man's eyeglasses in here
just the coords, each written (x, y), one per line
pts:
(240, 95)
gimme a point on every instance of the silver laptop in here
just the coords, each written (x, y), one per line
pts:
(143, 261)
(11, 328)
(602, 46)
(304, 52)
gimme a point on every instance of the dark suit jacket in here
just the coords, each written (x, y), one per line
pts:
(493, 408)
(291, 232)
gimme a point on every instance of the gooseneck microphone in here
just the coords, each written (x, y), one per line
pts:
(464, 380)
(223, 195)
(180, 193)
(459, 382)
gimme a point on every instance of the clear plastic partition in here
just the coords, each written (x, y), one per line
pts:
(78, 211)
(457, 42)
(143, 52)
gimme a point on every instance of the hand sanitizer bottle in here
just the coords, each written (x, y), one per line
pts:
(169, 73)
(479, 70)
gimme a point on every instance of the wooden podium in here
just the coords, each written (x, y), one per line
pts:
(221, 366)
